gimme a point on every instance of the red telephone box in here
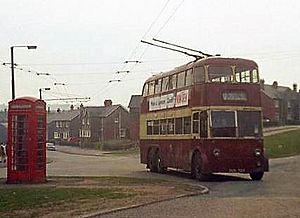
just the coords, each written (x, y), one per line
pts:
(26, 144)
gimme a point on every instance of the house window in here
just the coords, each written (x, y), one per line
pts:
(56, 135)
(123, 133)
(277, 118)
(67, 124)
(289, 116)
(86, 133)
(65, 135)
(276, 103)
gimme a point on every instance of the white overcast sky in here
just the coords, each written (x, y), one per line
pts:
(84, 43)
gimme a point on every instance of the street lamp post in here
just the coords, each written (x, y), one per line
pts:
(41, 89)
(12, 66)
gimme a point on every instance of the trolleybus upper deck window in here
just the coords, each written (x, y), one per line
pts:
(151, 88)
(199, 74)
(189, 77)
(165, 84)
(145, 90)
(220, 74)
(181, 80)
(246, 75)
(172, 82)
(157, 86)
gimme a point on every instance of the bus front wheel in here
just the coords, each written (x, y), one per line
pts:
(256, 176)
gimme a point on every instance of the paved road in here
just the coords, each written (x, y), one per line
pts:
(278, 195)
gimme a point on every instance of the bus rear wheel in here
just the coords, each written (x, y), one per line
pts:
(256, 176)
(196, 167)
(155, 162)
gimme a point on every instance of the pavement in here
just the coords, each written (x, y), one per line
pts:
(80, 151)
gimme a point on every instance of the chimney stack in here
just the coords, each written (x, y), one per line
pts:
(108, 103)
(295, 87)
(262, 84)
(275, 84)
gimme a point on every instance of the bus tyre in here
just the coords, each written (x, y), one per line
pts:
(256, 176)
(196, 167)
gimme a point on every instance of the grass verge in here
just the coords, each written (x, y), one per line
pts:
(76, 196)
(23, 198)
(283, 144)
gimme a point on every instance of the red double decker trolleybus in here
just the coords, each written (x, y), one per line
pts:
(204, 117)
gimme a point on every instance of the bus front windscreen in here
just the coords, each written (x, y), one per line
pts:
(249, 123)
(223, 124)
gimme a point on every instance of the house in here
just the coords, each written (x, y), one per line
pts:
(103, 123)
(280, 104)
(63, 126)
(3, 126)
(134, 117)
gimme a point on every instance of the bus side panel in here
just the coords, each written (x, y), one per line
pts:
(174, 153)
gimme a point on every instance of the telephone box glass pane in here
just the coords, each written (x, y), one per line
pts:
(40, 163)
(20, 142)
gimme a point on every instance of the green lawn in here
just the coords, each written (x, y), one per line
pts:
(32, 197)
(283, 144)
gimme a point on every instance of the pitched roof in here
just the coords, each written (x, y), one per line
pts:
(275, 93)
(135, 101)
(62, 116)
(102, 111)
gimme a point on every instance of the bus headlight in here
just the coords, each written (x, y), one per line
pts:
(257, 152)
(216, 152)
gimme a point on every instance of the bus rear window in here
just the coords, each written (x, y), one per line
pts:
(223, 124)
